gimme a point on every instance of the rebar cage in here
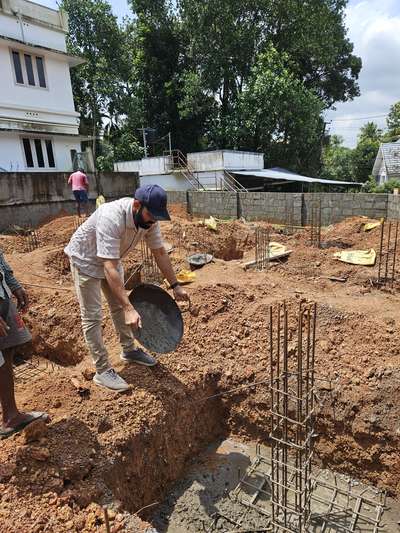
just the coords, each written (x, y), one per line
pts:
(315, 222)
(150, 272)
(387, 255)
(262, 250)
(292, 383)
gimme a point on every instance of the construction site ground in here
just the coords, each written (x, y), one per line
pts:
(127, 450)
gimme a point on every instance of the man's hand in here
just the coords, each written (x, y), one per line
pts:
(132, 318)
(3, 328)
(180, 294)
(22, 299)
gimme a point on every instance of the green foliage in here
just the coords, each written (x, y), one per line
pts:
(388, 187)
(365, 153)
(278, 115)
(95, 35)
(393, 120)
(337, 161)
(340, 163)
(105, 161)
(253, 74)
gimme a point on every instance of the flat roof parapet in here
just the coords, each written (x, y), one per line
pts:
(36, 13)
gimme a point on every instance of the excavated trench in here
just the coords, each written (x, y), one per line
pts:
(357, 429)
(152, 466)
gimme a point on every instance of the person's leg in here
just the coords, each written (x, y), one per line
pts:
(89, 298)
(78, 202)
(125, 332)
(85, 204)
(7, 396)
(13, 418)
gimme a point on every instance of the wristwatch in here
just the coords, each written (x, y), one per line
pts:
(174, 285)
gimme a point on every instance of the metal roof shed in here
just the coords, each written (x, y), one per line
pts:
(278, 176)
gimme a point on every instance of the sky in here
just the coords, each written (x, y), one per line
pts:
(374, 28)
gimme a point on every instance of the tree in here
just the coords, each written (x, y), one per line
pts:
(393, 121)
(313, 34)
(337, 160)
(98, 84)
(156, 62)
(278, 115)
(226, 36)
(370, 132)
(365, 153)
(188, 67)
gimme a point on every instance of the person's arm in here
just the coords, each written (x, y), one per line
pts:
(86, 183)
(164, 264)
(14, 286)
(114, 280)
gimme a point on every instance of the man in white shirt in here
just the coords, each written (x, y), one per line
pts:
(95, 251)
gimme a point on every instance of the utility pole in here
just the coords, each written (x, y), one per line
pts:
(170, 143)
(322, 142)
(143, 130)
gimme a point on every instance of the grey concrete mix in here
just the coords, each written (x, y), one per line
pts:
(205, 499)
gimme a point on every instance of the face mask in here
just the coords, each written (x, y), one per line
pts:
(138, 219)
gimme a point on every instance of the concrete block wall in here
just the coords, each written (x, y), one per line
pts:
(216, 203)
(177, 197)
(338, 206)
(393, 207)
(116, 185)
(31, 198)
(273, 207)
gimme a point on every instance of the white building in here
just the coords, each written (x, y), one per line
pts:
(387, 162)
(209, 170)
(38, 121)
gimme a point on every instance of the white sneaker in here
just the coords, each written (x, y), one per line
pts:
(111, 380)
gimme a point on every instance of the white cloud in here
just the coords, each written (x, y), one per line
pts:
(374, 28)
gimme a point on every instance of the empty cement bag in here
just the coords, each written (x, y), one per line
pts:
(357, 257)
(183, 276)
(162, 324)
(277, 250)
(368, 226)
(100, 200)
(211, 223)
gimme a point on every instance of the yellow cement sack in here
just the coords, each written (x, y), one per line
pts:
(184, 276)
(371, 225)
(211, 223)
(357, 257)
(100, 200)
(276, 249)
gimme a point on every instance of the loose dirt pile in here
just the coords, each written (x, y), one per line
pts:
(126, 450)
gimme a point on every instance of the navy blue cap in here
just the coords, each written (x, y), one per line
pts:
(154, 198)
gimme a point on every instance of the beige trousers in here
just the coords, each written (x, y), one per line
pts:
(88, 291)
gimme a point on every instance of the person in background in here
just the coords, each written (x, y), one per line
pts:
(12, 333)
(80, 188)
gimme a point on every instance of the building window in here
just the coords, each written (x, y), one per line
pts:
(17, 67)
(28, 153)
(40, 70)
(39, 152)
(29, 69)
(50, 154)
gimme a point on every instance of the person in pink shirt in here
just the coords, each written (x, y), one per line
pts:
(80, 187)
